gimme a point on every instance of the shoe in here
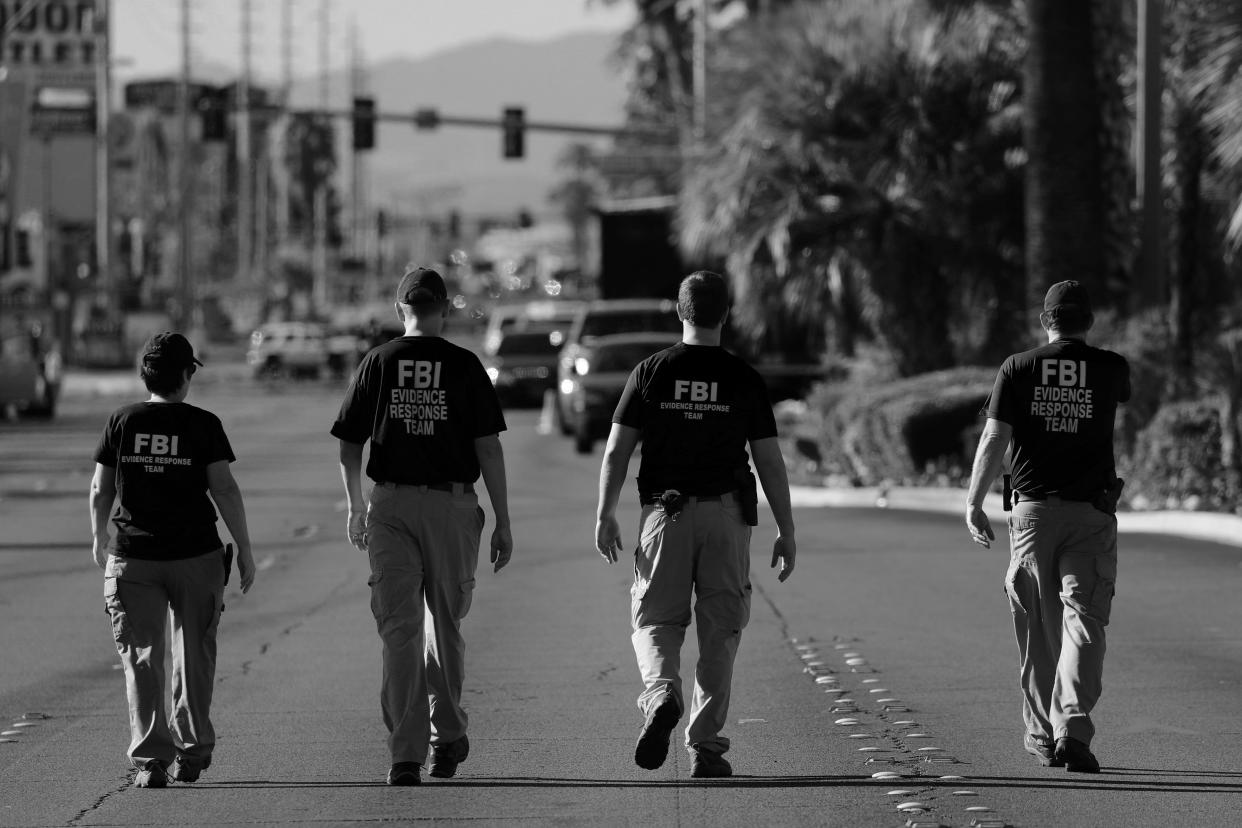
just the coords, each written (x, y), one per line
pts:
(652, 747)
(152, 775)
(404, 773)
(446, 758)
(1042, 749)
(1076, 756)
(707, 765)
(185, 769)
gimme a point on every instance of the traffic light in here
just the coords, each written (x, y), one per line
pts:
(513, 123)
(364, 124)
(213, 109)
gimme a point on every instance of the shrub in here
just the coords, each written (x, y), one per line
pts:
(903, 430)
(1177, 462)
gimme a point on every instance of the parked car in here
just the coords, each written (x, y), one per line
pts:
(523, 365)
(288, 349)
(606, 318)
(600, 371)
(550, 315)
(31, 372)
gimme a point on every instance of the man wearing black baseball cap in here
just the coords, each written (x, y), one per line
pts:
(163, 463)
(1056, 405)
(434, 424)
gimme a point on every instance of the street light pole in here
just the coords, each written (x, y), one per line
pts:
(185, 286)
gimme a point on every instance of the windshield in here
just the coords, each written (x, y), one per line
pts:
(606, 324)
(527, 343)
(623, 358)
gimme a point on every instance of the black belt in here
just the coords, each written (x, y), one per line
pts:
(1018, 497)
(455, 488)
(650, 500)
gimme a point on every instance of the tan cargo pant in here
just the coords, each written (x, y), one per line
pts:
(138, 595)
(704, 551)
(423, 545)
(1061, 579)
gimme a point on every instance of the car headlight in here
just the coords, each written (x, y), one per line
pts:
(582, 366)
(567, 386)
(493, 373)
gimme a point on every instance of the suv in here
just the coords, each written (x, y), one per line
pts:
(522, 366)
(292, 348)
(604, 318)
(601, 370)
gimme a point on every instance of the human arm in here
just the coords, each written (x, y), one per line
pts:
(227, 495)
(351, 475)
(492, 466)
(103, 494)
(989, 457)
(620, 447)
(770, 468)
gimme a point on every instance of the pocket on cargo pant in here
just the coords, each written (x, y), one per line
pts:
(376, 582)
(1105, 587)
(466, 590)
(116, 613)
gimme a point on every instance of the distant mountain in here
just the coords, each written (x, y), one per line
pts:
(570, 79)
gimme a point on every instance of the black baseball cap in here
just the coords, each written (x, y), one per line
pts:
(421, 286)
(1069, 293)
(171, 348)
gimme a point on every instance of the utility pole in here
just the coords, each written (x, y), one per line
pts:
(320, 264)
(185, 186)
(357, 165)
(1150, 271)
(245, 161)
(103, 166)
(281, 174)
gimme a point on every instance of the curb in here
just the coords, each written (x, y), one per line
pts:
(1204, 526)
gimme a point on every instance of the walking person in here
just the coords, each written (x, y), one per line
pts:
(695, 407)
(163, 462)
(1055, 405)
(434, 423)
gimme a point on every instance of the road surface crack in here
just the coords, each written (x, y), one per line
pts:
(85, 812)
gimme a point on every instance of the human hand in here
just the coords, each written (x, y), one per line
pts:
(245, 569)
(979, 526)
(99, 552)
(608, 538)
(356, 529)
(502, 547)
(785, 550)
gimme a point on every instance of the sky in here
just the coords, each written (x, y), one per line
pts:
(147, 32)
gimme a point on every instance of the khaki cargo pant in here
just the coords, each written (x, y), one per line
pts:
(423, 545)
(704, 551)
(138, 595)
(1061, 579)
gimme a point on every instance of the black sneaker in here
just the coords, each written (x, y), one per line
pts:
(652, 747)
(185, 769)
(152, 775)
(707, 765)
(1076, 756)
(446, 758)
(1042, 749)
(404, 773)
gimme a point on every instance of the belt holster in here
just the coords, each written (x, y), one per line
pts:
(1106, 501)
(228, 562)
(748, 497)
(671, 502)
(1007, 492)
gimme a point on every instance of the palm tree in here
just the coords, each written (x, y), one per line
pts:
(872, 174)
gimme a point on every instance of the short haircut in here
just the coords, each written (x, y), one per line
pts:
(1069, 319)
(703, 299)
(161, 376)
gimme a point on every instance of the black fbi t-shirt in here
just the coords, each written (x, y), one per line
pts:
(160, 453)
(421, 401)
(696, 407)
(1061, 400)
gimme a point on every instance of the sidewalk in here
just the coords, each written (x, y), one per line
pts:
(1206, 526)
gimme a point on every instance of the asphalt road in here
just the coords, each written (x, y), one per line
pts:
(551, 679)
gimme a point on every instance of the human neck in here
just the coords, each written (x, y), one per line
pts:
(175, 397)
(1057, 336)
(691, 335)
